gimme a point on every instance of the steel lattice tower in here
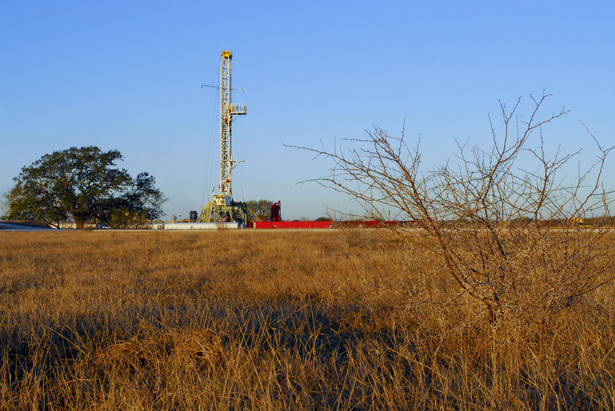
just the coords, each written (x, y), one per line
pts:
(227, 113)
(223, 208)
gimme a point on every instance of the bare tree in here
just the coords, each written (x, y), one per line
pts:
(506, 225)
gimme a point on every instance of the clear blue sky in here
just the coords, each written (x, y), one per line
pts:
(127, 74)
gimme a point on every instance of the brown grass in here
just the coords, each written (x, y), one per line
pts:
(269, 320)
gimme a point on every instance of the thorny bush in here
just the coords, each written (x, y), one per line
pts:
(509, 237)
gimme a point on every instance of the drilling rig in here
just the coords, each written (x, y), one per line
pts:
(222, 208)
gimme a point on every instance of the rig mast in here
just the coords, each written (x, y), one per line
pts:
(227, 112)
(223, 208)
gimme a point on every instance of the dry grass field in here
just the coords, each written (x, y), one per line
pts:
(271, 320)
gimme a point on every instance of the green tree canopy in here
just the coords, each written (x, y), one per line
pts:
(260, 208)
(83, 184)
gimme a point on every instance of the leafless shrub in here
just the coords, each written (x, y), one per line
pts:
(507, 227)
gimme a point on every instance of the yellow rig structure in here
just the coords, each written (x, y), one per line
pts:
(223, 208)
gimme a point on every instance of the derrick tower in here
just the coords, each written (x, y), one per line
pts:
(222, 207)
(228, 112)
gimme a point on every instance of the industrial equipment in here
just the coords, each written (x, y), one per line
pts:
(223, 208)
(276, 211)
(222, 211)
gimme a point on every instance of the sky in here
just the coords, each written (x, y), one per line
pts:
(126, 75)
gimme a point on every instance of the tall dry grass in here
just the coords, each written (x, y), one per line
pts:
(269, 320)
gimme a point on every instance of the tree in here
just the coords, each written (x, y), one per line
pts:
(83, 184)
(141, 202)
(490, 213)
(260, 208)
